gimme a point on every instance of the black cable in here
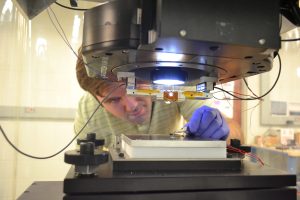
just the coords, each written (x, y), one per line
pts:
(62, 30)
(225, 99)
(257, 98)
(55, 154)
(246, 83)
(65, 39)
(63, 35)
(234, 93)
(290, 40)
(51, 156)
(70, 8)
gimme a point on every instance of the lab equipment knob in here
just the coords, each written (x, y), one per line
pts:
(87, 148)
(88, 157)
(91, 137)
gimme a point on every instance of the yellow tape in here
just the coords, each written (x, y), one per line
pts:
(190, 94)
(147, 91)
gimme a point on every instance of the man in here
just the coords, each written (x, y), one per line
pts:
(124, 114)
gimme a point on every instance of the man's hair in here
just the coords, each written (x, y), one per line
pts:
(94, 86)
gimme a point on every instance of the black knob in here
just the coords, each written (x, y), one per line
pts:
(87, 155)
(91, 137)
(87, 148)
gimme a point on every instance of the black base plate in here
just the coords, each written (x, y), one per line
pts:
(251, 181)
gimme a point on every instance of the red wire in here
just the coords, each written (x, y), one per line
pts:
(243, 152)
(246, 153)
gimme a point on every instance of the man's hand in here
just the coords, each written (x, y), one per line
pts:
(208, 123)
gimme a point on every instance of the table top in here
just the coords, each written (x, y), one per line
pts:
(46, 190)
(289, 152)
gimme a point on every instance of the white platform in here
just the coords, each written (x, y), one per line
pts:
(171, 147)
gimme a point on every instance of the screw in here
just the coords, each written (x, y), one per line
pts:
(182, 33)
(262, 41)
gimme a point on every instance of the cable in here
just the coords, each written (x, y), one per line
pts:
(227, 100)
(257, 98)
(253, 107)
(290, 40)
(70, 8)
(232, 93)
(63, 35)
(53, 155)
(246, 83)
(77, 134)
(63, 32)
(246, 154)
(65, 39)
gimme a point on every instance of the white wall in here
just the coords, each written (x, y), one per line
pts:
(37, 75)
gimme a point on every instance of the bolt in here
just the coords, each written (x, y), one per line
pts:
(182, 33)
(262, 41)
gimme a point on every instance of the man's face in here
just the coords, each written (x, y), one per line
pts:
(135, 109)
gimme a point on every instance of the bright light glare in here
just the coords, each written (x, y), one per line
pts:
(7, 8)
(298, 72)
(41, 46)
(76, 27)
(169, 57)
(168, 82)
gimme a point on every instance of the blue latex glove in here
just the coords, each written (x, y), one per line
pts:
(208, 123)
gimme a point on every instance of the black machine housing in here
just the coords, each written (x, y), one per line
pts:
(228, 40)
